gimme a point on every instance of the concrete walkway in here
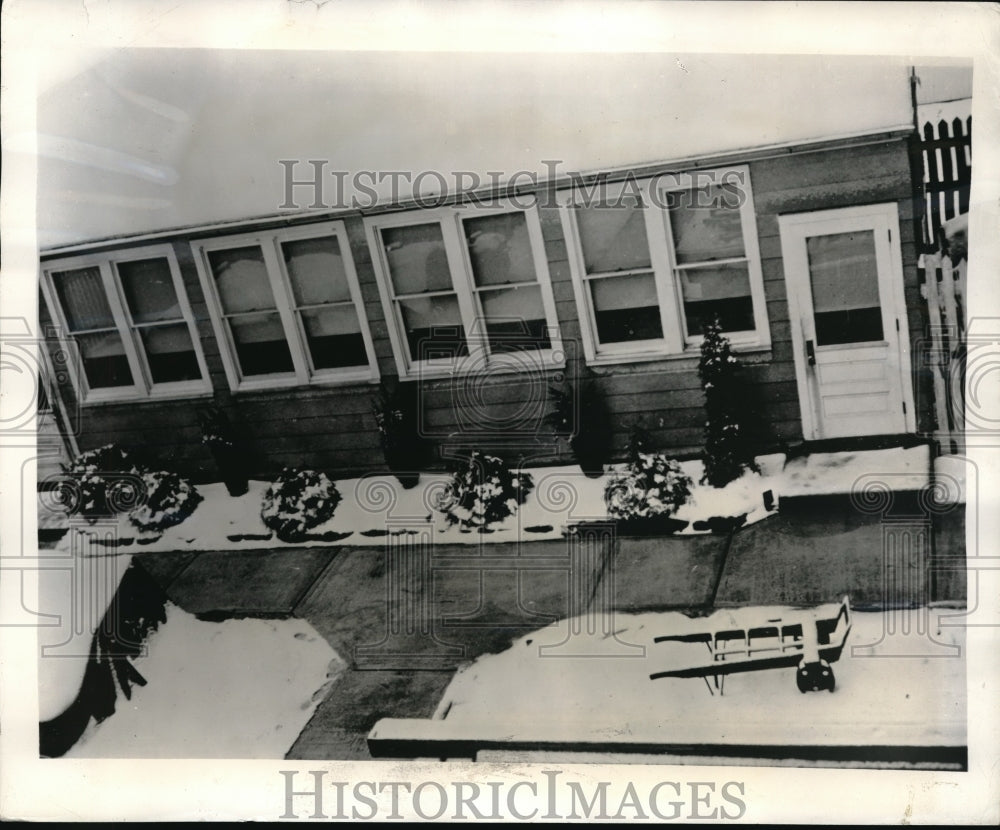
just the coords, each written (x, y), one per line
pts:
(405, 620)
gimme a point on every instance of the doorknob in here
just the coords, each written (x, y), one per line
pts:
(810, 353)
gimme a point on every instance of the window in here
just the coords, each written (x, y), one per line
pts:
(425, 299)
(286, 307)
(509, 296)
(652, 261)
(618, 277)
(843, 277)
(129, 318)
(465, 287)
(249, 310)
(709, 225)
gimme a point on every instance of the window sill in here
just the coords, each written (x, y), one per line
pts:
(365, 376)
(472, 369)
(307, 391)
(692, 352)
(131, 400)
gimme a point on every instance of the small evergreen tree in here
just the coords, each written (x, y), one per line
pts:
(397, 414)
(640, 441)
(586, 421)
(218, 434)
(728, 451)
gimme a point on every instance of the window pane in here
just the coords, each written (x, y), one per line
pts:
(723, 291)
(316, 269)
(706, 223)
(500, 249)
(613, 236)
(334, 337)
(515, 319)
(626, 308)
(843, 273)
(433, 327)
(149, 290)
(104, 361)
(81, 295)
(260, 344)
(241, 278)
(170, 354)
(417, 259)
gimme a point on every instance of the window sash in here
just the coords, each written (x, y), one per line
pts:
(308, 286)
(143, 384)
(100, 341)
(172, 313)
(240, 345)
(760, 333)
(138, 328)
(304, 370)
(393, 302)
(636, 209)
(311, 316)
(239, 304)
(368, 369)
(94, 307)
(595, 350)
(160, 361)
(465, 289)
(305, 315)
(592, 283)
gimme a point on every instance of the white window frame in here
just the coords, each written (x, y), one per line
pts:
(143, 386)
(663, 264)
(479, 356)
(302, 374)
(760, 335)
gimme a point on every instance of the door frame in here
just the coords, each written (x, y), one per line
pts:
(883, 214)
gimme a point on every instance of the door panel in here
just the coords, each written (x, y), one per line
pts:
(844, 279)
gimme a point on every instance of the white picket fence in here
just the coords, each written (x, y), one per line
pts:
(944, 289)
(946, 150)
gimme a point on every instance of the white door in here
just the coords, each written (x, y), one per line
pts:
(844, 276)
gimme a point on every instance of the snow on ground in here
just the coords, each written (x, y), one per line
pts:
(950, 472)
(745, 495)
(235, 689)
(72, 601)
(917, 700)
(824, 473)
(373, 506)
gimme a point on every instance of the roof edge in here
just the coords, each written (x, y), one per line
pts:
(609, 175)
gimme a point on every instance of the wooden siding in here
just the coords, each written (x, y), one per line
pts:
(333, 428)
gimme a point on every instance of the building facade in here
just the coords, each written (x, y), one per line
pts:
(806, 253)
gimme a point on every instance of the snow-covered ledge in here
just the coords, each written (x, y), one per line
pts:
(374, 507)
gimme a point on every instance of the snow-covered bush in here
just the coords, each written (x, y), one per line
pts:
(108, 482)
(652, 485)
(483, 490)
(728, 450)
(169, 500)
(297, 501)
(956, 234)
